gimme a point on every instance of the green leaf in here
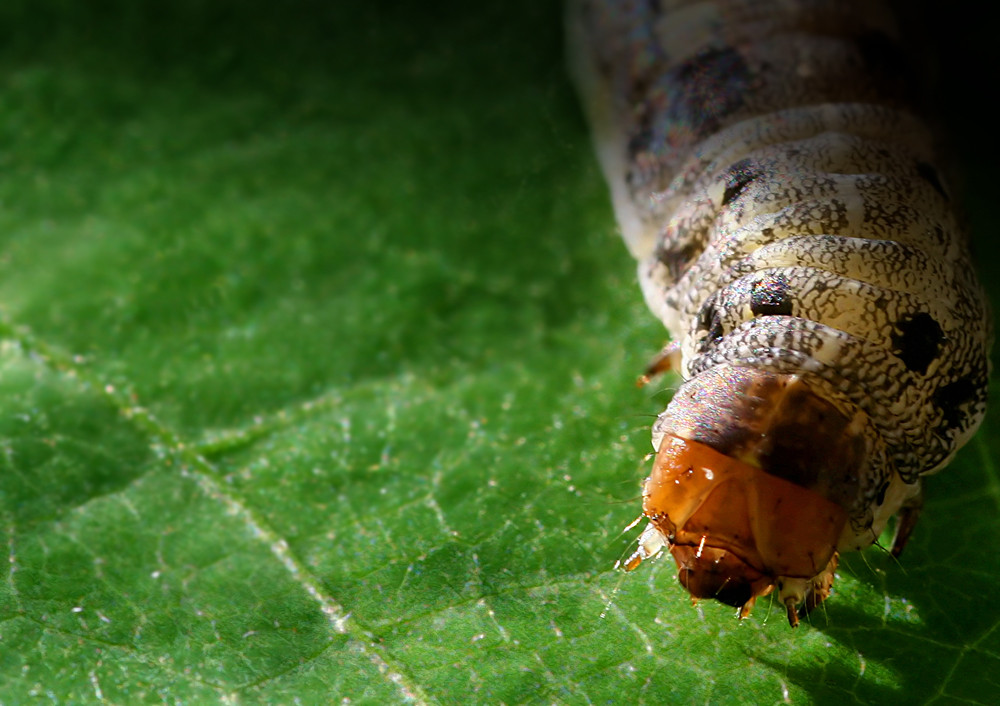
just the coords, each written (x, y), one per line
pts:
(318, 362)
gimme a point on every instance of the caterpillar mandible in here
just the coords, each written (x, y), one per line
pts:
(794, 236)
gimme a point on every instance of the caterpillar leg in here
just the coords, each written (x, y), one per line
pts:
(798, 596)
(907, 520)
(651, 543)
(663, 362)
(820, 587)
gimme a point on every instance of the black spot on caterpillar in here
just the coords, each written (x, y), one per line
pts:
(770, 297)
(739, 176)
(772, 180)
(917, 341)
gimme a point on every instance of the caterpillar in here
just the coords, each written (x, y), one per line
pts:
(792, 232)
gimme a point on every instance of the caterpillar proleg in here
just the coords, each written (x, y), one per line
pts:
(771, 178)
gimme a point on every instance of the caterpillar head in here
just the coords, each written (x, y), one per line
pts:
(752, 488)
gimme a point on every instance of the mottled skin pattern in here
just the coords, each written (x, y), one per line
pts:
(769, 177)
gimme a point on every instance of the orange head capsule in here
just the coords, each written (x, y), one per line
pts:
(734, 530)
(751, 489)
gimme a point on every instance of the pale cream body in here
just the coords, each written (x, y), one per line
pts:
(786, 215)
